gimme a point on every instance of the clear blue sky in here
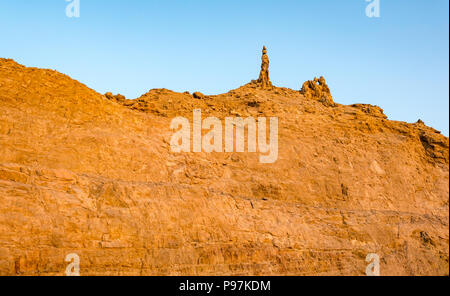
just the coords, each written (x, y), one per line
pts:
(398, 61)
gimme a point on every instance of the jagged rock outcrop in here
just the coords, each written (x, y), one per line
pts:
(80, 173)
(117, 98)
(198, 95)
(436, 146)
(318, 89)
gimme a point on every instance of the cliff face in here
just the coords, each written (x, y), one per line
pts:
(87, 174)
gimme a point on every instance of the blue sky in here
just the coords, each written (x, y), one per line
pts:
(398, 61)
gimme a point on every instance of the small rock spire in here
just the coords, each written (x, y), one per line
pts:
(264, 79)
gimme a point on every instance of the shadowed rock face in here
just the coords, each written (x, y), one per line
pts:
(94, 175)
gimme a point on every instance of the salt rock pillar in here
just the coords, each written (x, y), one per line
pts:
(264, 79)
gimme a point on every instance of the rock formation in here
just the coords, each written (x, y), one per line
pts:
(80, 173)
(198, 95)
(117, 98)
(264, 80)
(317, 89)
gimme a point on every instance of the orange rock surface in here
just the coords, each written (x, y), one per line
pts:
(94, 175)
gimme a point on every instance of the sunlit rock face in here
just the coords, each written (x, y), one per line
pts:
(95, 175)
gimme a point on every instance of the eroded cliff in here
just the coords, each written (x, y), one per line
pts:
(94, 175)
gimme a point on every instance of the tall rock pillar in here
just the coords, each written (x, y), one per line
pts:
(264, 79)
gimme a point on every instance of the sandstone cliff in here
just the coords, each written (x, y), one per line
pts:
(94, 175)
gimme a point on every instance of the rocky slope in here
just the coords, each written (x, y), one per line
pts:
(94, 175)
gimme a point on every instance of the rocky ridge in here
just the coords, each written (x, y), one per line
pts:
(93, 174)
